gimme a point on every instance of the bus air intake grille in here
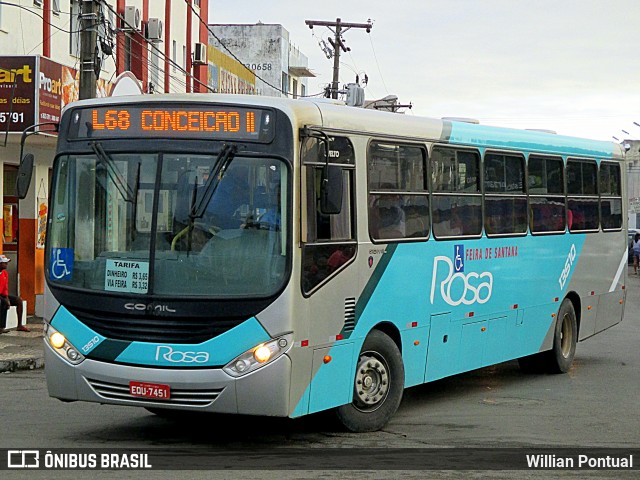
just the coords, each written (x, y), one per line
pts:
(179, 398)
(349, 315)
(156, 329)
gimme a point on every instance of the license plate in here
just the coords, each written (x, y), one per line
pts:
(150, 390)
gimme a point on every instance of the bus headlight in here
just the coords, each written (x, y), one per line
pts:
(62, 346)
(258, 356)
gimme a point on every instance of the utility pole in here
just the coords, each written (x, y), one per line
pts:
(338, 28)
(88, 43)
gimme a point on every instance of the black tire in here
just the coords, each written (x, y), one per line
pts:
(560, 358)
(378, 385)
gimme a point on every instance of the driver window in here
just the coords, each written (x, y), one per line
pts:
(330, 241)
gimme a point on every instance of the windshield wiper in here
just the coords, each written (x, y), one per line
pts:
(115, 175)
(218, 170)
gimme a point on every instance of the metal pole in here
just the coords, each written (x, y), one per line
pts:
(336, 61)
(88, 43)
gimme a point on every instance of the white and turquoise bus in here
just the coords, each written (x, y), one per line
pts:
(262, 256)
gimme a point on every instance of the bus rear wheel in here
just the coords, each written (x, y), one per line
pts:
(378, 385)
(560, 357)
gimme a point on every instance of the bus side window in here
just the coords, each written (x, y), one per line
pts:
(398, 194)
(457, 201)
(546, 195)
(582, 195)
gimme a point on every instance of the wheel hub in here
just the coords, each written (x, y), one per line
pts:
(372, 382)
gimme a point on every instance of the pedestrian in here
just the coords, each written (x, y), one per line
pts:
(7, 300)
(636, 253)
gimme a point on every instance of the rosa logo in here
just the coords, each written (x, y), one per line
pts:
(456, 287)
(168, 354)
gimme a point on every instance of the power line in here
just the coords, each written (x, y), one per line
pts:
(41, 16)
(161, 53)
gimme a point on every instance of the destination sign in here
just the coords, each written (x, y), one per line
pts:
(170, 121)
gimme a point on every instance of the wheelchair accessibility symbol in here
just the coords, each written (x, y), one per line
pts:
(458, 258)
(61, 263)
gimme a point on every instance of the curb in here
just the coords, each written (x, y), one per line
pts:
(8, 366)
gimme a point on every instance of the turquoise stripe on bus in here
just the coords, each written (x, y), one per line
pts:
(420, 281)
(215, 352)
(535, 142)
(78, 334)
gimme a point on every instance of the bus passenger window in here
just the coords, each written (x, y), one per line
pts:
(457, 202)
(546, 195)
(505, 197)
(582, 195)
(610, 196)
(398, 196)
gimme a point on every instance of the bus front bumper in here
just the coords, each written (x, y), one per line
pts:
(262, 392)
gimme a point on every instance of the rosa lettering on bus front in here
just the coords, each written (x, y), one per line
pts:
(454, 286)
(156, 391)
(61, 264)
(129, 276)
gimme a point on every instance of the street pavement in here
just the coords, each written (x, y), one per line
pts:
(22, 350)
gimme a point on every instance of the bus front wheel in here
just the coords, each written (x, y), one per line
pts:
(378, 385)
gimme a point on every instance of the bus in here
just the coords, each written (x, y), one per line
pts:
(279, 257)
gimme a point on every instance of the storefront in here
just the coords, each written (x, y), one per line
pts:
(33, 90)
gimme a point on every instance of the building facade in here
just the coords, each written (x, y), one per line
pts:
(164, 45)
(280, 69)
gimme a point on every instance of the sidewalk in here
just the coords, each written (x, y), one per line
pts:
(22, 350)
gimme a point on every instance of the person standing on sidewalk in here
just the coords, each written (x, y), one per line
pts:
(636, 252)
(7, 300)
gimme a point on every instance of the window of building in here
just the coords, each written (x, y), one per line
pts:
(74, 29)
(154, 72)
(505, 200)
(285, 84)
(37, 3)
(184, 58)
(582, 195)
(174, 55)
(610, 196)
(546, 194)
(55, 7)
(294, 88)
(457, 199)
(398, 193)
(329, 239)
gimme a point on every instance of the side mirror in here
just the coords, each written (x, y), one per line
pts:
(331, 190)
(25, 172)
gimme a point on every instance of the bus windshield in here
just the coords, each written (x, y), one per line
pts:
(169, 224)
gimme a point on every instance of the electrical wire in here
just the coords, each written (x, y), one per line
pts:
(147, 44)
(38, 15)
(378, 65)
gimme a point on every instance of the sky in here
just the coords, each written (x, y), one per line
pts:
(571, 66)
